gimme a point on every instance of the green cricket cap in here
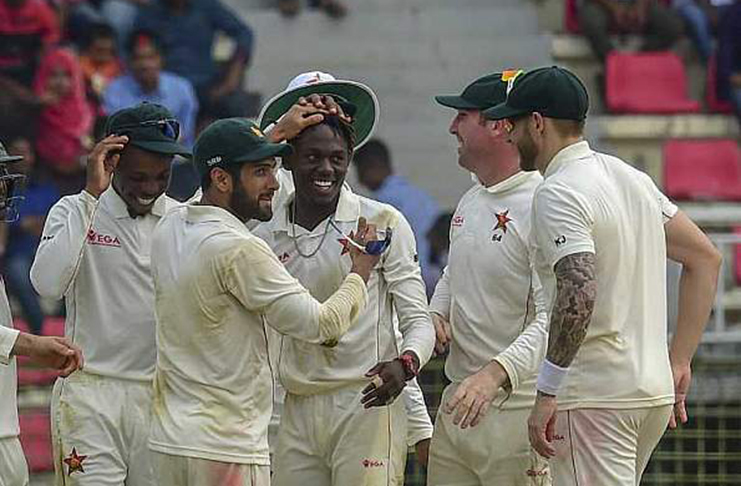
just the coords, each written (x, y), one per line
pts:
(554, 92)
(482, 93)
(233, 141)
(149, 126)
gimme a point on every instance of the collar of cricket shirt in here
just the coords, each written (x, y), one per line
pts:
(204, 213)
(117, 206)
(511, 182)
(575, 151)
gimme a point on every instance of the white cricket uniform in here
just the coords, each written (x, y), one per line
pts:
(96, 256)
(595, 203)
(13, 468)
(496, 309)
(325, 435)
(217, 287)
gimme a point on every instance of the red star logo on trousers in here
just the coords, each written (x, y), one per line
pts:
(345, 244)
(502, 220)
(74, 462)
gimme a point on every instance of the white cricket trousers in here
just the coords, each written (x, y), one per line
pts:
(13, 468)
(329, 439)
(496, 452)
(606, 447)
(106, 420)
(173, 470)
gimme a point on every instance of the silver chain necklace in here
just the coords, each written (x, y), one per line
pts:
(295, 238)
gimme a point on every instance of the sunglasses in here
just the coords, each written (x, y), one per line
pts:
(169, 127)
(375, 247)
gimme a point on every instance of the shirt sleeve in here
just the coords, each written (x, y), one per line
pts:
(562, 223)
(224, 19)
(419, 423)
(668, 208)
(440, 302)
(254, 276)
(401, 272)
(62, 244)
(8, 337)
(522, 358)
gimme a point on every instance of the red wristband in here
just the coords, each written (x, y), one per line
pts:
(410, 366)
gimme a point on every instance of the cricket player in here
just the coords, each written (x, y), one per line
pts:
(337, 428)
(601, 233)
(95, 252)
(218, 287)
(488, 308)
(54, 352)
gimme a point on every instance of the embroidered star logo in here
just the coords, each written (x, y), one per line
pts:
(502, 220)
(345, 244)
(74, 462)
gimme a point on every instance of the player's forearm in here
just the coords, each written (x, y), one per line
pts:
(440, 302)
(697, 287)
(523, 356)
(419, 424)
(341, 310)
(8, 342)
(572, 311)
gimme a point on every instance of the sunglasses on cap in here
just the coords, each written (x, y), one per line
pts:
(10, 189)
(375, 247)
(169, 127)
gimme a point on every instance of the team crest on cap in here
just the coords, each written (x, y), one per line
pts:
(509, 77)
(257, 132)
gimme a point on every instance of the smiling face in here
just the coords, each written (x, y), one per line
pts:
(319, 165)
(471, 131)
(141, 177)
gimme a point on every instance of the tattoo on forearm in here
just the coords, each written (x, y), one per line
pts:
(576, 291)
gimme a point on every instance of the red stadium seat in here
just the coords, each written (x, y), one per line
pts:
(711, 90)
(702, 170)
(36, 441)
(571, 17)
(647, 82)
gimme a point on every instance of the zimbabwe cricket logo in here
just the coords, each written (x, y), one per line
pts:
(509, 77)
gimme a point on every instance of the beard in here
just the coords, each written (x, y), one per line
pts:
(247, 208)
(528, 153)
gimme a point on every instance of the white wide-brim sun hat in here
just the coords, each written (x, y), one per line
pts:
(355, 98)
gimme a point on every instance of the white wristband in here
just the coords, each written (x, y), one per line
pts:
(550, 378)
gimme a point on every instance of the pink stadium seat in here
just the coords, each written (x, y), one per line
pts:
(571, 17)
(36, 441)
(647, 82)
(702, 170)
(711, 90)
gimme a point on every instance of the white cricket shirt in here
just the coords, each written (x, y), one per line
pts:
(596, 203)
(217, 286)
(395, 285)
(96, 256)
(489, 292)
(8, 371)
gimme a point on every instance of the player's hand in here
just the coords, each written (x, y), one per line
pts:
(101, 163)
(541, 425)
(422, 448)
(473, 397)
(443, 333)
(306, 112)
(51, 352)
(682, 374)
(363, 263)
(387, 381)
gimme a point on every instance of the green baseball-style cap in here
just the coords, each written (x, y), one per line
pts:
(149, 126)
(554, 92)
(233, 141)
(483, 93)
(6, 158)
(356, 99)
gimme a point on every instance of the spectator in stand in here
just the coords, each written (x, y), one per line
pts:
(335, 9)
(27, 27)
(23, 234)
(659, 25)
(729, 57)
(99, 60)
(376, 173)
(146, 81)
(187, 29)
(66, 118)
